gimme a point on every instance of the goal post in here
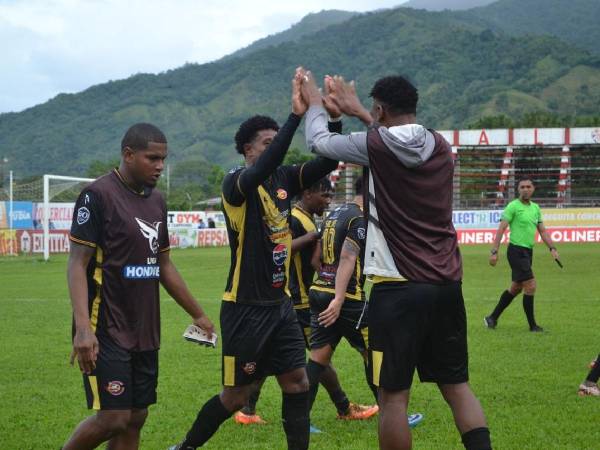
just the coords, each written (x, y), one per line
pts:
(65, 183)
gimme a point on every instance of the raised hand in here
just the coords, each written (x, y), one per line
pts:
(328, 102)
(299, 105)
(310, 90)
(344, 96)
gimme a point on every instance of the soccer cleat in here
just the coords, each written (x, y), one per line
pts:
(589, 390)
(536, 329)
(248, 419)
(359, 412)
(415, 419)
(314, 429)
(490, 322)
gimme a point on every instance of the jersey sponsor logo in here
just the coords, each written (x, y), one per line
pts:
(83, 215)
(141, 272)
(278, 278)
(150, 232)
(115, 388)
(361, 233)
(249, 368)
(280, 253)
(281, 194)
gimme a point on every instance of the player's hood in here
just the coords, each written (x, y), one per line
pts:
(412, 144)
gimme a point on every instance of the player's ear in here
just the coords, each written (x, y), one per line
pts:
(127, 154)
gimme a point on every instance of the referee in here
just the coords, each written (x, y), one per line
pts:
(524, 217)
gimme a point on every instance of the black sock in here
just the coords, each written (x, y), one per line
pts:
(294, 412)
(528, 308)
(340, 400)
(209, 419)
(505, 299)
(369, 377)
(313, 371)
(477, 439)
(595, 372)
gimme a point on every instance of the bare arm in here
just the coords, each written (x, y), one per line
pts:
(176, 287)
(497, 240)
(346, 268)
(85, 344)
(315, 261)
(304, 241)
(547, 240)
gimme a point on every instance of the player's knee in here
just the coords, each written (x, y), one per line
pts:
(453, 392)
(113, 422)
(294, 382)
(138, 418)
(516, 288)
(397, 399)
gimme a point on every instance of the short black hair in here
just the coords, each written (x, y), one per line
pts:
(522, 179)
(321, 185)
(358, 185)
(397, 94)
(139, 135)
(250, 128)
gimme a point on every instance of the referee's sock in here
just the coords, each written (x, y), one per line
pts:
(313, 371)
(505, 299)
(528, 308)
(477, 439)
(209, 419)
(294, 412)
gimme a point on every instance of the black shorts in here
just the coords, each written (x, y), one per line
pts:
(417, 325)
(345, 325)
(259, 341)
(520, 260)
(303, 315)
(122, 379)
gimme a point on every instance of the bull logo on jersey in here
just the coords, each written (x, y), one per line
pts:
(281, 194)
(150, 232)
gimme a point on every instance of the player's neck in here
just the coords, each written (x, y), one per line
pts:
(525, 201)
(128, 179)
(303, 207)
(358, 199)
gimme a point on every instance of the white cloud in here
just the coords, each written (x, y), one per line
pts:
(55, 46)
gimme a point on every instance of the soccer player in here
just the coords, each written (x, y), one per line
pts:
(119, 253)
(417, 317)
(259, 328)
(589, 386)
(524, 218)
(337, 300)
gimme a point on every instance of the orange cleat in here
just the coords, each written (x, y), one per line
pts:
(359, 412)
(248, 419)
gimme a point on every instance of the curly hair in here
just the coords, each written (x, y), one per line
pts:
(397, 94)
(250, 128)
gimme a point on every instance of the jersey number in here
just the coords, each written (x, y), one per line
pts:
(328, 242)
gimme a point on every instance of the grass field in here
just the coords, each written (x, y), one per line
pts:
(526, 382)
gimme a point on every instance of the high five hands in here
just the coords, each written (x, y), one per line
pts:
(338, 96)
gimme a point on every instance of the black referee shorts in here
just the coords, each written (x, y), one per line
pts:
(121, 379)
(520, 260)
(349, 324)
(259, 341)
(417, 325)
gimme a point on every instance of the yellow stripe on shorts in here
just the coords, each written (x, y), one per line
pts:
(228, 370)
(377, 361)
(94, 387)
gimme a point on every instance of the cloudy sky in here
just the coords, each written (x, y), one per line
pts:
(53, 46)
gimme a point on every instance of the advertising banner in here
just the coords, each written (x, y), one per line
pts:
(560, 234)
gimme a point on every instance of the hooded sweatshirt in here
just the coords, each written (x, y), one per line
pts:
(410, 235)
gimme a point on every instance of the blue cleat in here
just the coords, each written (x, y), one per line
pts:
(314, 429)
(415, 419)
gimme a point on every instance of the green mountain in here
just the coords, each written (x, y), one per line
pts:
(439, 5)
(309, 24)
(463, 71)
(574, 21)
